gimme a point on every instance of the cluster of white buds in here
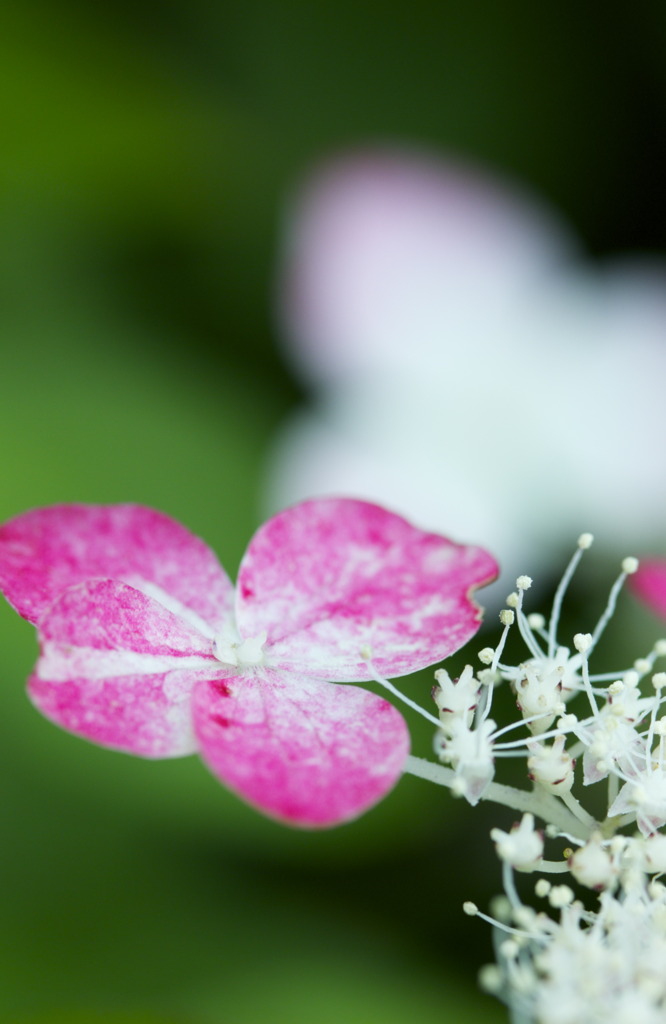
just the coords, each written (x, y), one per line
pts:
(568, 964)
(574, 962)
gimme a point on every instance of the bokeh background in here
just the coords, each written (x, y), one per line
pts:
(147, 150)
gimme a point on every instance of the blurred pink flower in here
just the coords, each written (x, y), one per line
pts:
(467, 366)
(146, 648)
(649, 584)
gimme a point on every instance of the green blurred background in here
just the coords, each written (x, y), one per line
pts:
(147, 150)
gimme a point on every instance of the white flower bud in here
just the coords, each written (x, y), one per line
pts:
(654, 853)
(551, 766)
(560, 896)
(592, 865)
(522, 847)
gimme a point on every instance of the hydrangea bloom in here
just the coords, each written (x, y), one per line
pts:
(147, 648)
(459, 349)
(597, 957)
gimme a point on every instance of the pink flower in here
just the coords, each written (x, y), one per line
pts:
(466, 363)
(146, 648)
(649, 584)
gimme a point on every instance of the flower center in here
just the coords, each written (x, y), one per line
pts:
(232, 650)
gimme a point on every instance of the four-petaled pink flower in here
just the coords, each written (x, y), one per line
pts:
(146, 648)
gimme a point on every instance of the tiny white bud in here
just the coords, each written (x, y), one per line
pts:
(592, 865)
(470, 908)
(490, 979)
(585, 541)
(616, 687)
(629, 565)
(654, 848)
(509, 949)
(524, 917)
(486, 655)
(582, 642)
(524, 582)
(500, 907)
(560, 896)
(507, 617)
(542, 888)
(522, 847)
(536, 620)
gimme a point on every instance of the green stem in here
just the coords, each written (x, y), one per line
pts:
(537, 802)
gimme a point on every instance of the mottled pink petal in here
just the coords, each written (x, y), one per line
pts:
(47, 550)
(147, 714)
(328, 579)
(308, 753)
(649, 584)
(118, 668)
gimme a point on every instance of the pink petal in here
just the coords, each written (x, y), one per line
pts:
(327, 579)
(118, 668)
(649, 584)
(146, 715)
(47, 550)
(394, 252)
(308, 753)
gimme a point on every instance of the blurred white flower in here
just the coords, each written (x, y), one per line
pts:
(468, 368)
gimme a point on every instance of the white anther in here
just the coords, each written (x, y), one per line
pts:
(585, 541)
(513, 600)
(470, 908)
(659, 680)
(629, 565)
(542, 888)
(486, 655)
(524, 582)
(582, 642)
(536, 620)
(642, 665)
(507, 617)
(660, 648)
